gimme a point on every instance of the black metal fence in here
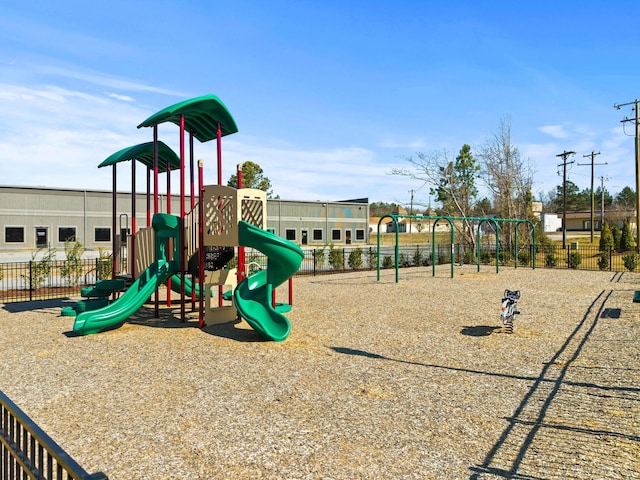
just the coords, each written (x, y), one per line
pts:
(39, 280)
(46, 279)
(28, 452)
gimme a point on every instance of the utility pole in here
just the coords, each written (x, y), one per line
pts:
(602, 179)
(592, 155)
(637, 161)
(564, 155)
(411, 215)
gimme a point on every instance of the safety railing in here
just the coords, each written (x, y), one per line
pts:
(27, 452)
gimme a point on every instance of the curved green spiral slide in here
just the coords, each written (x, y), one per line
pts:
(253, 294)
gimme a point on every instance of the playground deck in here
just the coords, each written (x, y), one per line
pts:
(377, 380)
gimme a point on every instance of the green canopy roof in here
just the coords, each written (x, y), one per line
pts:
(201, 117)
(143, 152)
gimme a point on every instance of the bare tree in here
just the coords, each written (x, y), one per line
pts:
(507, 176)
(452, 181)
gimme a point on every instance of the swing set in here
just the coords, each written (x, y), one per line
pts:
(480, 221)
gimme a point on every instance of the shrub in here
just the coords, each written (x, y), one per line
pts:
(626, 241)
(574, 260)
(486, 258)
(336, 258)
(606, 238)
(372, 257)
(524, 257)
(355, 259)
(617, 236)
(387, 262)
(630, 261)
(417, 257)
(72, 267)
(40, 269)
(603, 261)
(469, 257)
(550, 260)
(105, 265)
(318, 257)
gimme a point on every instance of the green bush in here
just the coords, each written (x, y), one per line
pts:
(626, 242)
(486, 258)
(550, 260)
(607, 242)
(387, 262)
(105, 265)
(617, 236)
(318, 257)
(355, 259)
(574, 260)
(417, 257)
(404, 261)
(336, 257)
(468, 257)
(372, 257)
(603, 261)
(72, 267)
(630, 261)
(40, 269)
(524, 258)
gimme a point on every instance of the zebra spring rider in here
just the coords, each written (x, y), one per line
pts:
(509, 309)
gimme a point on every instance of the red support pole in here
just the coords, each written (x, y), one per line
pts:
(219, 146)
(132, 260)
(241, 254)
(201, 242)
(291, 291)
(114, 201)
(193, 203)
(169, 245)
(148, 197)
(156, 301)
(182, 235)
(155, 169)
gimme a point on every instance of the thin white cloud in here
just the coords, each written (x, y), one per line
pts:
(556, 131)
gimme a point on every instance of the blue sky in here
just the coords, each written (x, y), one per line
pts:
(328, 96)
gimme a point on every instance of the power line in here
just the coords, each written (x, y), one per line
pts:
(564, 164)
(592, 155)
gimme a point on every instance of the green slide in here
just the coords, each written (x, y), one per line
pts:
(253, 295)
(165, 226)
(117, 312)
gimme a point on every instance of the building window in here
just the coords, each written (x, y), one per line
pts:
(290, 234)
(66, 233)
(336, 234)
(102, 234)
(317, 234)
(359, 234)
(14, 234)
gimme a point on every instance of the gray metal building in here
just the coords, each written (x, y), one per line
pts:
(34, 217)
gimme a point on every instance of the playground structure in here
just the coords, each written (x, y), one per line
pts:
(178, 249)
(480, 220)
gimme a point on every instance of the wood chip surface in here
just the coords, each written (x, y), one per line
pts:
(377, 380)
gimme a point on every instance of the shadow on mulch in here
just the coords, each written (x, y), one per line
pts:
(27, 306)
(479, 330)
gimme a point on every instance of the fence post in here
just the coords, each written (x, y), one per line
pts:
(610, 259)
(344, 251)
(30, 280)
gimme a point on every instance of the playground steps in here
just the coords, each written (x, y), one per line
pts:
(95, 297)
